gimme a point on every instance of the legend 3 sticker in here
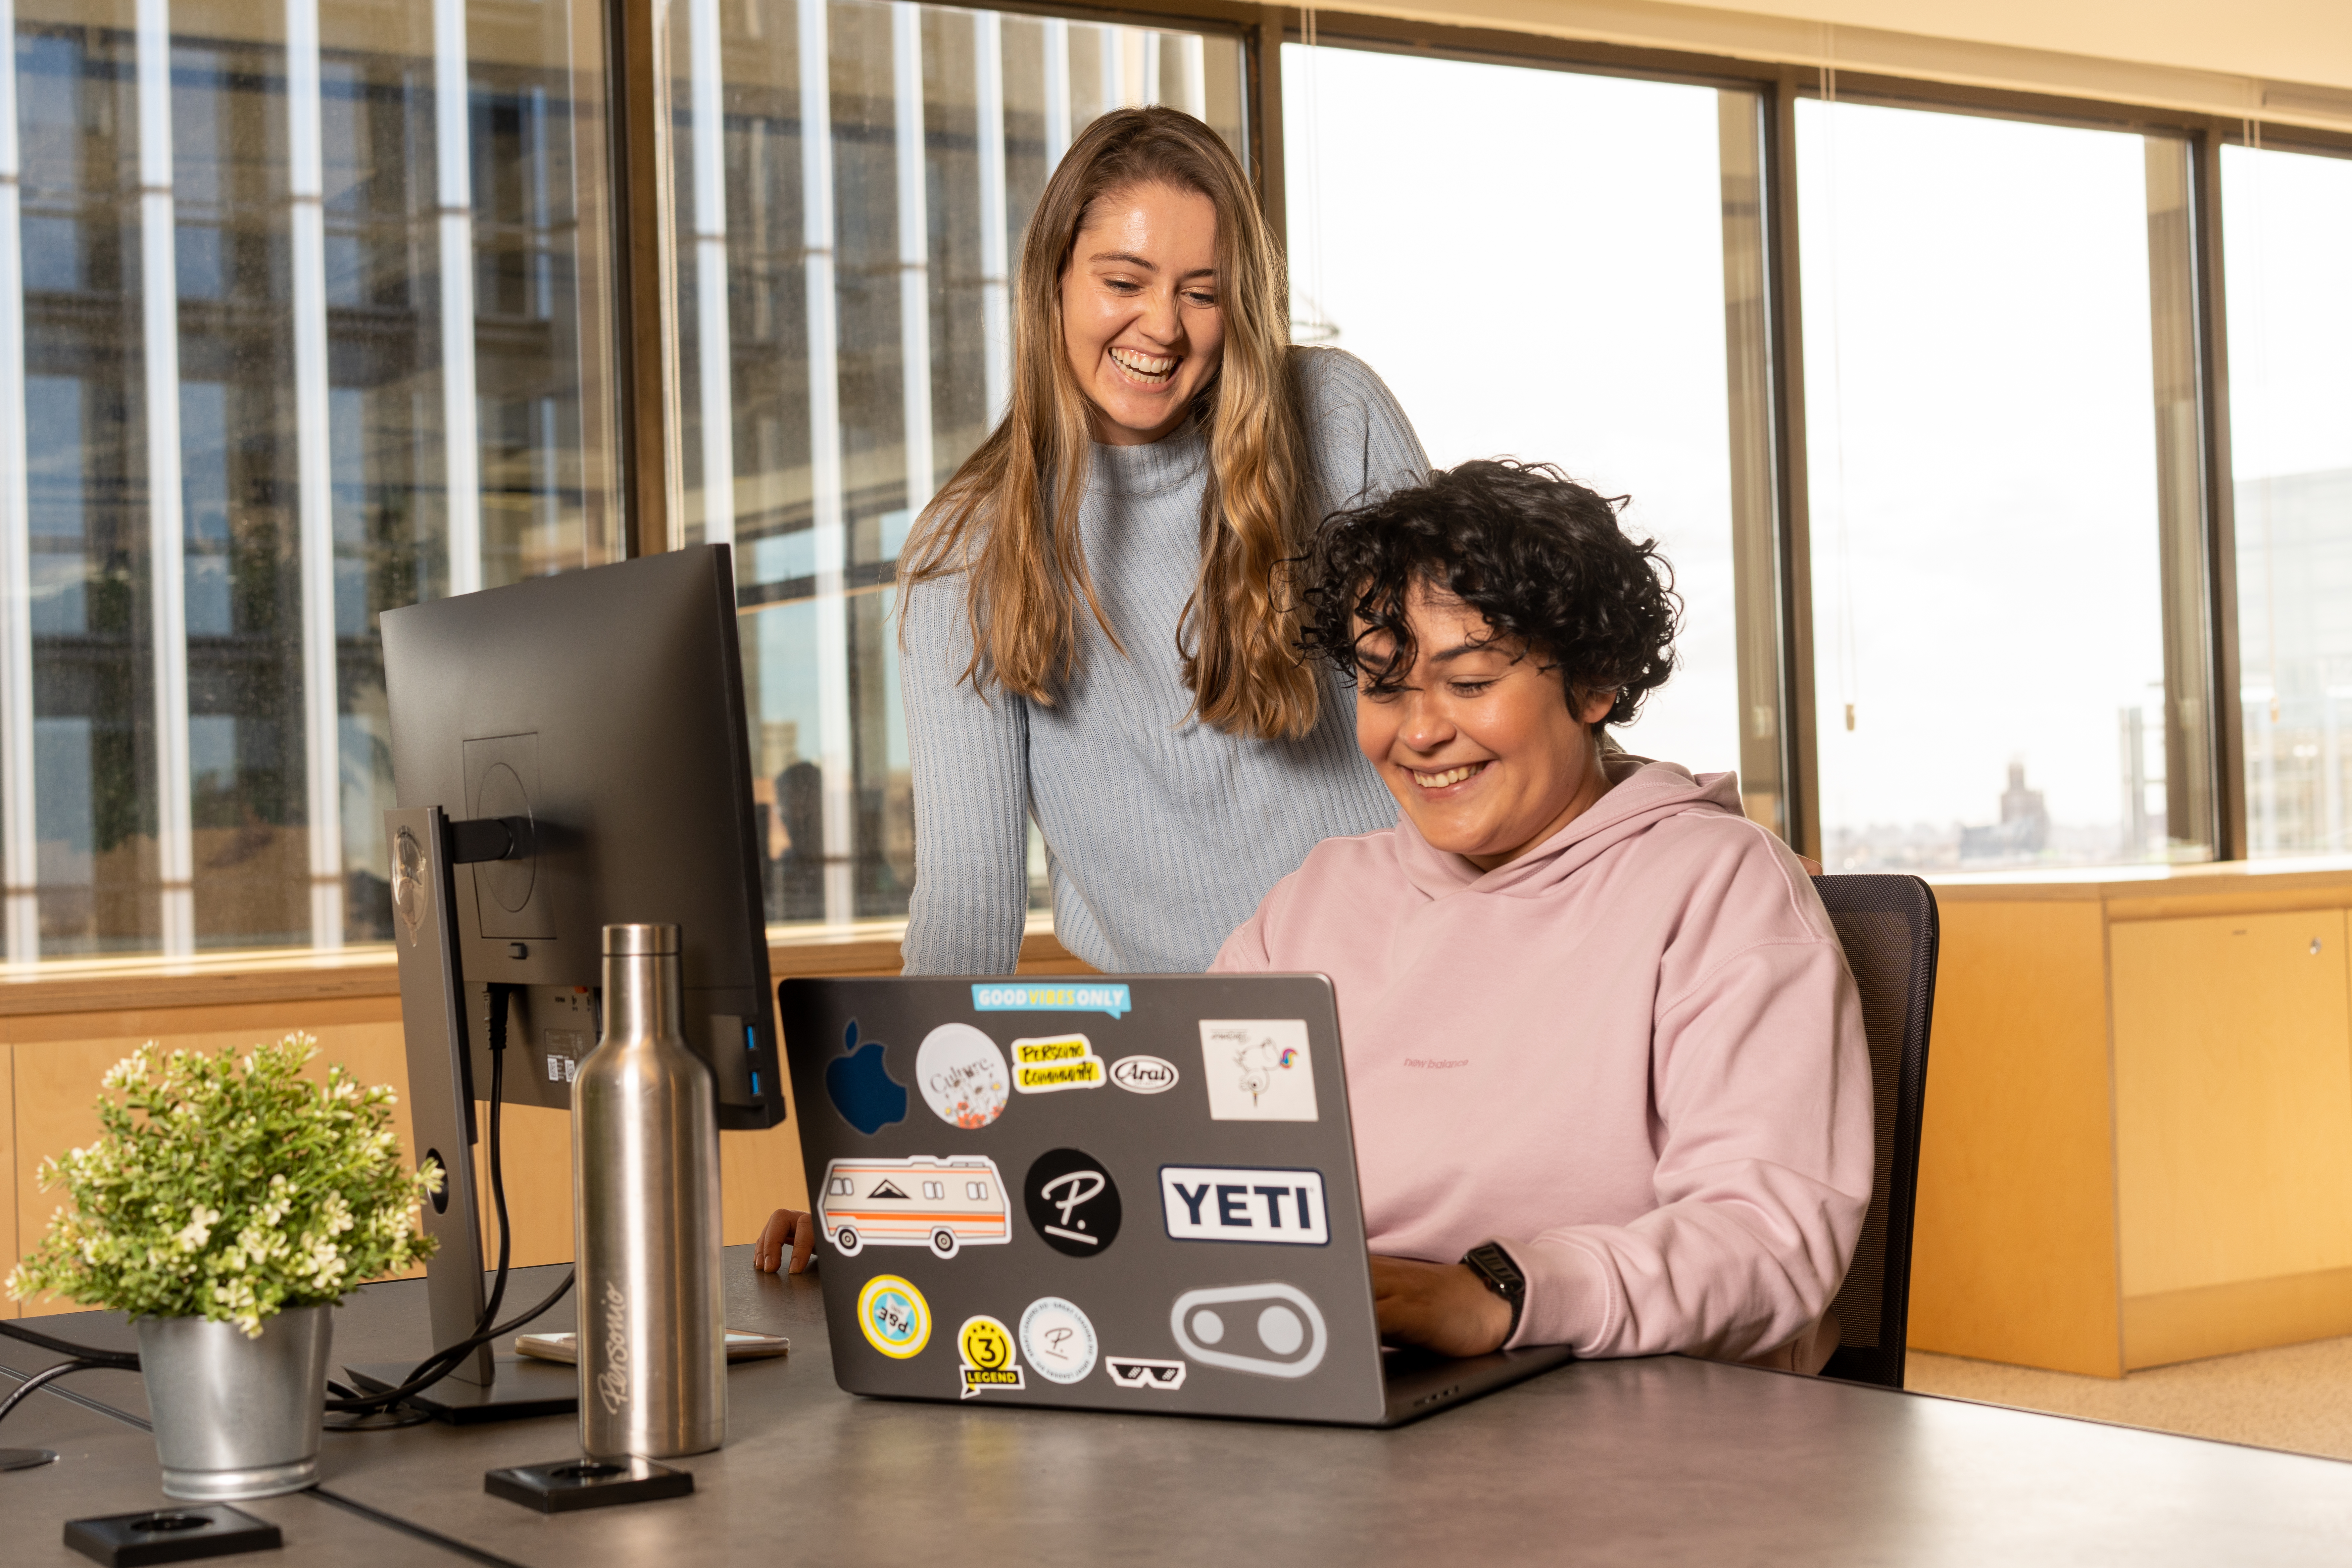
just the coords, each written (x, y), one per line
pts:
(1222, 1203)
(986, 1347)
(1055, 1062)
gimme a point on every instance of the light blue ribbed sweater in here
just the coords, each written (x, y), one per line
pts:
(1161, 834)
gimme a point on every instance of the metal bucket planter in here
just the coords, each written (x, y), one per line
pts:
(237, 1417)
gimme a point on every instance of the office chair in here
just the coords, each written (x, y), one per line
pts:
(1887, 925)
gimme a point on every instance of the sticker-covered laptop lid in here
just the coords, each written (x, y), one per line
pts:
(1112, 1193)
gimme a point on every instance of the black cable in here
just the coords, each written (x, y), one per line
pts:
(47, 1374)
(443, 1361)
(126, 1360)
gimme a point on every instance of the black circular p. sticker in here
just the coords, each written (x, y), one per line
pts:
(1072, 1202)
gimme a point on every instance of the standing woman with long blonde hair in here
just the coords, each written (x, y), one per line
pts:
(1096, 622)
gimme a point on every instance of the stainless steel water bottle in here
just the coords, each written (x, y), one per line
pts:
(645, 1167)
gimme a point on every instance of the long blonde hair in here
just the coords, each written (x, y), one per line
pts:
(1024, 564)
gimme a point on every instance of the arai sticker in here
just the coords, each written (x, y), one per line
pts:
(986, 1347)
(894, 1317)
(1042, 1066)
(961, 1075)
(1058, 1340)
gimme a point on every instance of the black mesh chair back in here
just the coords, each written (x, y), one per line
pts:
(1887, 926)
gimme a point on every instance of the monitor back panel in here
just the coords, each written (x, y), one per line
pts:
(1116, 1192)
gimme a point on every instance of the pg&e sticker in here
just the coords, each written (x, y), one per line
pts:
(986, 1348)
(1258, 1069)
(894, 1317)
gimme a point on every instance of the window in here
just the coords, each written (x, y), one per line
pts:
(1621, 219)
(844, 343)
(310, 330)
(839, 1186)
(976, 1191)
(2287, 222)
(2002, 419)
(935, 1189)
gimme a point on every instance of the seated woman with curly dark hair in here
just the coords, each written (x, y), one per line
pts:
(1593, 1014)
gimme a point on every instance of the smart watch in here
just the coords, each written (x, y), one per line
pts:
(1499, 1274)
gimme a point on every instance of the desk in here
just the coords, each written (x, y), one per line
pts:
(1656, 1462)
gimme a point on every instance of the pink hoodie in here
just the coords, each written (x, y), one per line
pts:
(1633, 1055)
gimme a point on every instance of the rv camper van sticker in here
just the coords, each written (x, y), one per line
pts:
(961, 1075)
(922, 1201)
(1213, 1202)
(986, 1347)
(1055, 1062)
(1058, 1340)
(894, 1317)
(1272, 1330)
(1073, 1202)
(860, 1085)
(1258, 1069)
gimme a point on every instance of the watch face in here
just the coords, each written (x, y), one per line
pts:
(1495, 1266)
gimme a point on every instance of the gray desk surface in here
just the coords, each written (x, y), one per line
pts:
(1663, 1462)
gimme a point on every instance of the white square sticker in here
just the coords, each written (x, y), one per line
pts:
(1257, 1069)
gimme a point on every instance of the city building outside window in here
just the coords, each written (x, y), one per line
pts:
(2287, 217)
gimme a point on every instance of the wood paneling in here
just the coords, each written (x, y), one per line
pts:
(2234, 1099)
(2222, 1319)
(2014, 1237)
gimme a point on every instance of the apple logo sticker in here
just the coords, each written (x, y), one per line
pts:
(861, 1087)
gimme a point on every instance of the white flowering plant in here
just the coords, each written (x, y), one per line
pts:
(230, 1188)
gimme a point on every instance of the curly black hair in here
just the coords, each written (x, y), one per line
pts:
(1539, 555)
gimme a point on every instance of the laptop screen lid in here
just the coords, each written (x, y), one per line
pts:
(1118, 1193)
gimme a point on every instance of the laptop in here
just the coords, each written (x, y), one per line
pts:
(1116, 1192)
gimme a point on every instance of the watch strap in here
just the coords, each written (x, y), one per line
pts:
(1500, 1273)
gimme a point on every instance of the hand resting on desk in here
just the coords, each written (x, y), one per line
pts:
(787, 1231)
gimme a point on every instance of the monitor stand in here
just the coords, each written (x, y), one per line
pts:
(425, 848)
(524, 1387)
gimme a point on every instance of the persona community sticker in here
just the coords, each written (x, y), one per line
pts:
(1055, 1062)
(894, 1317)
(961, 1075)
(1144, 1075)
(1058, 1340)
(1258, 1069)
(986, 1347)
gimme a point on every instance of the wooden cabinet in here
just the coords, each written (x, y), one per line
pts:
(2138, 1145)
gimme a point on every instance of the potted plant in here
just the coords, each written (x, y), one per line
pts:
(227, 1206)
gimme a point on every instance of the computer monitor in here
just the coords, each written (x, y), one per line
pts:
(606, 706)
(568, 752)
